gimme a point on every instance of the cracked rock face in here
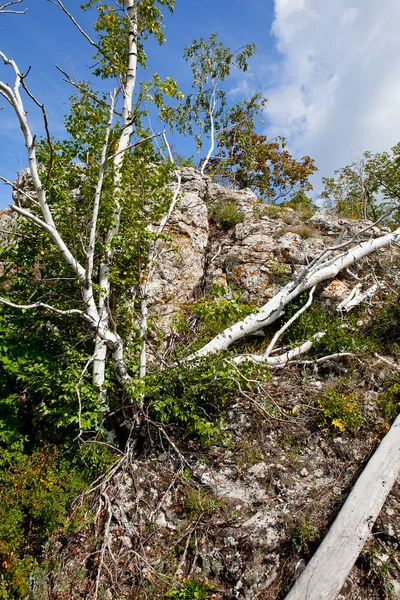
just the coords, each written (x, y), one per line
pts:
(255, 257)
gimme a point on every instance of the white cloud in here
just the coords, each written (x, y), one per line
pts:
(336, 89)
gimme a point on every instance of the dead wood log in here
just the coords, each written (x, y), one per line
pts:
(327, 571)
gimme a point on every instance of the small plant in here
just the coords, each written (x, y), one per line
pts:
(194, 398)
(226, 215)
(198, 503)
(247, 454)
(280, 270)
(36, 493)
(381, 567)
(389, 400)
(301, 532)
(268, 209)
(190, 590)
(340, 410)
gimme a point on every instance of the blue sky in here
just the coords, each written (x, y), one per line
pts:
(44, 37)
(330, 69)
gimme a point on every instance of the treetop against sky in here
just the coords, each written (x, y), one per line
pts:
(330, 70)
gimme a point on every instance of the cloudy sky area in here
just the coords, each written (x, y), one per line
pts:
(336, 85)
(330, 68)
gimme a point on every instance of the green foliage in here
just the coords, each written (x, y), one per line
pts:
(268, 209)
(384, 327)
(198, 503)
(341, 334)
(368, 188)
(302, 532)
(226, 215)
(190, 590)
(381, 567)
(340, 409)
(389, 399)
(40, 369)
(302, 204)
(247, 159)
(280, 271)
(211, 64)
(214, 314)
(36, 493)
(113, 27)
(193, 396)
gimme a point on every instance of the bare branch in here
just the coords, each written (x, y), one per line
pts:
(317, 361)
(79, 86)
(150, 137)
(33, 218)
(283, 359)
(288, 323)
(356, 297)
(45, 120)
(4, 8)
(16, 189)
(48, 307)
(61, 6)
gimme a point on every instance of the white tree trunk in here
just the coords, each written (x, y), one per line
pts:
(328, 569)
(123, 145)
(310, 276)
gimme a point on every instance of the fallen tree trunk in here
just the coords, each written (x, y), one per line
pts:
(328, 569)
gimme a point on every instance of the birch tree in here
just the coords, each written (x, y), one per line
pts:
(96, 162)
(99, 200)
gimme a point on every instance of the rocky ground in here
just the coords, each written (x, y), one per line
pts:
(244, 516)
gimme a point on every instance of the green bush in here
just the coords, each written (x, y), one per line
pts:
(190, 590)
(302, 532)
(340, 410)
(341, 334)
(36, 493)
(389, 399)
(384, 328)
(192, 396)
(226, 215)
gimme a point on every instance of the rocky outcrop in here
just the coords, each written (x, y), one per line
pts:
(255, 256)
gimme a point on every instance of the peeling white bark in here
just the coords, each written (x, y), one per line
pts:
(357, 297)
(123, 146)
(321, 269)
(212, 105)
(282, 359)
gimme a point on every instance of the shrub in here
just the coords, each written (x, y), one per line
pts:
(302, 532)
(192, 397)
(340, 410)
(226, 214)
(198, 503)
(190, 590)
(341, 334)
(36, 493)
